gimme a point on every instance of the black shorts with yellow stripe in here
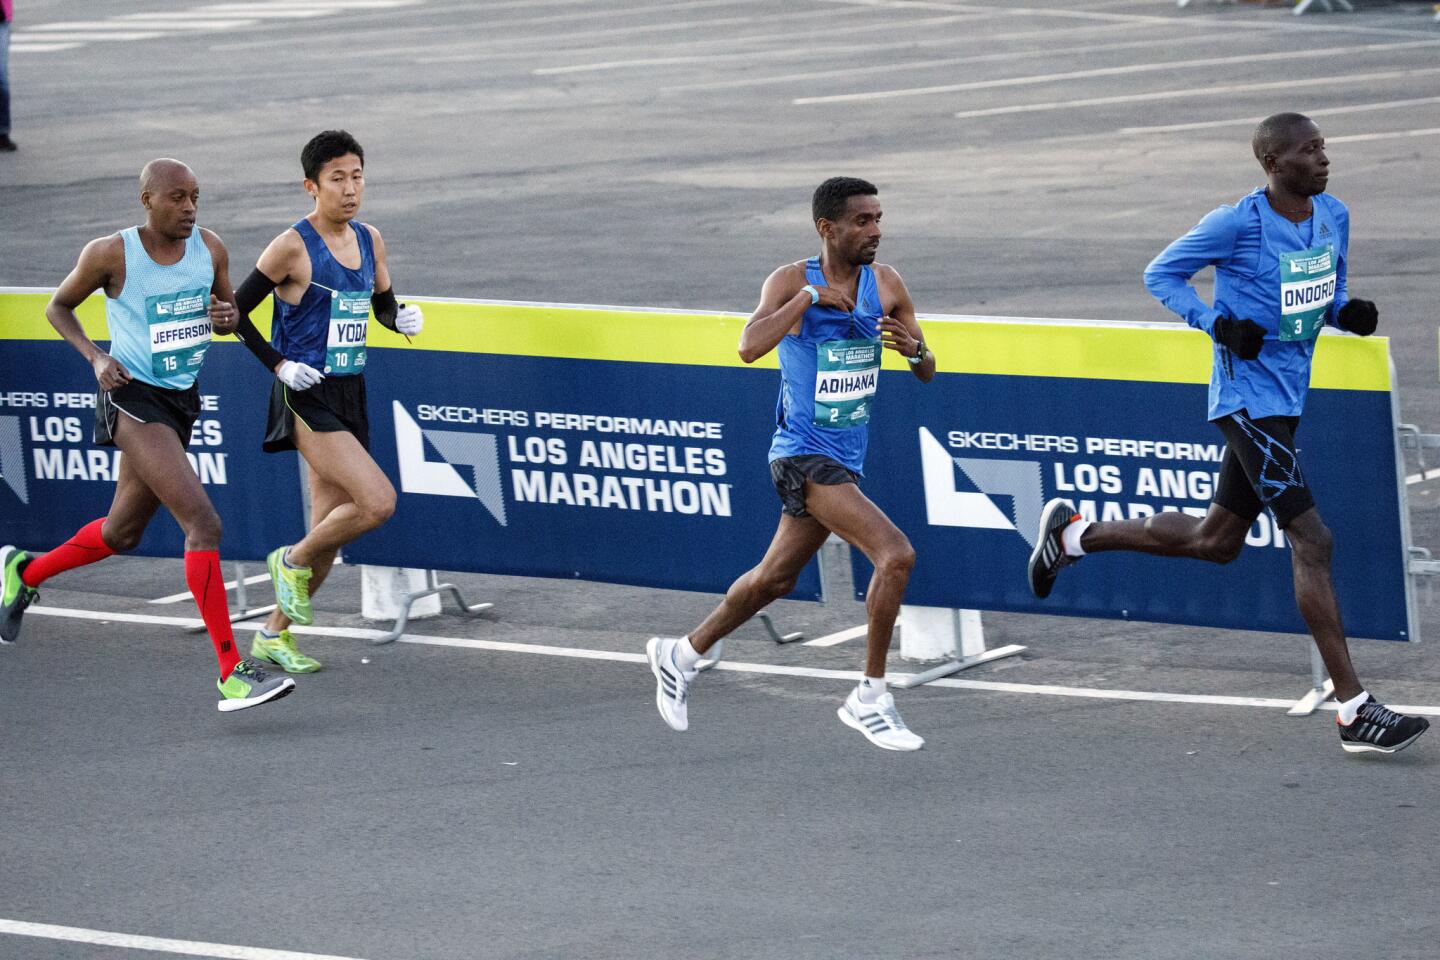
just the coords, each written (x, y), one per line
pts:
(332, 405)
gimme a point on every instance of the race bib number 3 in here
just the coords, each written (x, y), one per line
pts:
(846, 373)
(349, 317)
(179, 331)
(1307, 288)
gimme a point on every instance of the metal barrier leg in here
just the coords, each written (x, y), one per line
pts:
(775, 634)
(242, 598)
(955, 666)
(1321, 687)
(434, 588)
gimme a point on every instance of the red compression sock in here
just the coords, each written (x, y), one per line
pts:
(202, 574)
(85, 547)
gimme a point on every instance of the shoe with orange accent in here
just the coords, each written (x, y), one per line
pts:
(1378, 729)
(1049, 557)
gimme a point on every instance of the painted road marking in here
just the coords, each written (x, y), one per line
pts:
(1249, 121)
(1185, 92)
(130, 941)
(779, 670)
(229, 585)
(835, 639)
(1421, 477)
(1126, 70)
(1396, 135)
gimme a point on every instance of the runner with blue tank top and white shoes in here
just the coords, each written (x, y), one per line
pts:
(167, 289)
(829, 317)
(327, 273)
(1280, 258)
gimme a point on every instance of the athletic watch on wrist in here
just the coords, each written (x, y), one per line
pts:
(814, 294)
(919, 357)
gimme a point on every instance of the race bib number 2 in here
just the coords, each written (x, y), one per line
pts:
(1307, 288)
(179, 331)
(349, 317)
(846, 374)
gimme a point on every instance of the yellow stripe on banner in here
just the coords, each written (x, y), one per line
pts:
(1155, 353)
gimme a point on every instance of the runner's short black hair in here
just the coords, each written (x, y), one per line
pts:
(1275, 133)
(326, 146)
(832, 196)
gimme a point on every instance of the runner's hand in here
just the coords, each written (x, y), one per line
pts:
(1359, 317)
(298, 376)
(1243, 337)
(109, 372)
(830, 297)
(896, 337)
(409, 320)
(224, 318)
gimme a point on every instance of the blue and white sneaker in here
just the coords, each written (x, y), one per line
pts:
(672, 685)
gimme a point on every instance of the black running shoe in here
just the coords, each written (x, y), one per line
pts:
(1379, 729)
(1048, 557)
(14, 595)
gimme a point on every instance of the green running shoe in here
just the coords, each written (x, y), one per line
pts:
(292, 587)
(249, 686)
(14, 595)
(281, 651)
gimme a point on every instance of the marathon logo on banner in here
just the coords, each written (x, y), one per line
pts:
(41, 440)
(561, 459)
(1106, 478)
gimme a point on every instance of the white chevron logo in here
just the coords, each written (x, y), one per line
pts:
(479, 452)
(946, 506)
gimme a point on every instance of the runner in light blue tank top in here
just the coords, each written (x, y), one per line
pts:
(830, 318)
(167, 288)
(160, 324)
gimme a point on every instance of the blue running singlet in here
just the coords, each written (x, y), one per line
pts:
(326, 329)
(828, 375)
(160, 322)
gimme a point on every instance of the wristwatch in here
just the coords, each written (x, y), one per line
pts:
(919, 357)
(814, 294)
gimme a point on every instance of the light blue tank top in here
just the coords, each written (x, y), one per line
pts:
(160, 323)
(326, 329)
(828, 375)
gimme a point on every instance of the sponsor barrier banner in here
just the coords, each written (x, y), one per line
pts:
(1113, 418)
(551, 440)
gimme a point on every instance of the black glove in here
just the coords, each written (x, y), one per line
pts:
(1358, 316)
(1243, 337)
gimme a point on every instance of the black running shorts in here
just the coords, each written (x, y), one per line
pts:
(790, 474)
(332, 405)
(138, 400)
(1260, 468)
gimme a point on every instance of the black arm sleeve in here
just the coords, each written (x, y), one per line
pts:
(384, 307)
(250, 295)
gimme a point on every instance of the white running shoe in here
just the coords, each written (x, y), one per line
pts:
(672, 685)
(880, 722)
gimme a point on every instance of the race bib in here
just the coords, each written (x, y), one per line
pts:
(846, 373)
(1307, 288)
(179, 331)
(349, 317)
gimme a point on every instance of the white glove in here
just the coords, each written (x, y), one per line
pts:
(298, 376)
(409, 319)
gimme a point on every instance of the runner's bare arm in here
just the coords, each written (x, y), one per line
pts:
(382, 262)
(783, 302)
(223, 315)
(101, 265)
(900, 330)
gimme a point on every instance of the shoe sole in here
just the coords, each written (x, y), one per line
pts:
(854, 724)
(1046, 514)
(230, 706)
(1372, 748)
(652, 654)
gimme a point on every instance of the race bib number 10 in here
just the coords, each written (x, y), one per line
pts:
(349, 317)
(1307, 288)
(179, 332)
(846, 373)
